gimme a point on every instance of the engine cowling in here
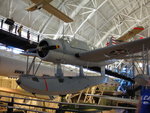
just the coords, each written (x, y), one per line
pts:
(47, 45)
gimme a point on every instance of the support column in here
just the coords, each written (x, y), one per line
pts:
(103, 70)
(10, 110)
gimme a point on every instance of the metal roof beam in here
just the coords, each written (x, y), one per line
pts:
(89, 16)
(74, 13)
(114, 28)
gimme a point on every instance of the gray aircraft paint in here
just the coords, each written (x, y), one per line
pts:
(66, 54)
(58, 86)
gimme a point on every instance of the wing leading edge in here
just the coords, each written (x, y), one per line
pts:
(119, 51)
(49, 8)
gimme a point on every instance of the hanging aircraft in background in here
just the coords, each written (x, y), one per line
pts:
(130, 34)
(38, 4)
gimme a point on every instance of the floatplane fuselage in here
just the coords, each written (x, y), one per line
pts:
(60, 52)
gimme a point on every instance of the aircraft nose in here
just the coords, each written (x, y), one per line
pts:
(18, 81)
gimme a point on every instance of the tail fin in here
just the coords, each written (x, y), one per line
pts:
(112, 41)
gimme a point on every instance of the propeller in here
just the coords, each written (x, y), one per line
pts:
(52, 47)
(44, 48)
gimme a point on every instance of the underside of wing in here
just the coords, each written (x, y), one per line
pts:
(38, 4)
(119, 51)
(131, 33)
(38, 1)
(54, 11)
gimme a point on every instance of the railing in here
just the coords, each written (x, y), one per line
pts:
(12, 104)
(25, 32)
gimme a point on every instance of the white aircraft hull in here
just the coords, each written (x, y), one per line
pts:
(58, 86)
(12, 65)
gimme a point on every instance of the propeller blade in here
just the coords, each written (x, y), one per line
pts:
(50, 47)
(43, 48)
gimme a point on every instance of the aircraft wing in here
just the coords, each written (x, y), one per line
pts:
(57, 13)
(119, 51)
(49, 8)
(131, 33)
(37, 4)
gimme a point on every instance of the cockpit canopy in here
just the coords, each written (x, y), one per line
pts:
(79, 44)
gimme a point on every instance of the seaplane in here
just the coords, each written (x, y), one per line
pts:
(7, 59)
(78, 53)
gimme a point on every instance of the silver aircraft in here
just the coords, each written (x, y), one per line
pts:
(77, 53)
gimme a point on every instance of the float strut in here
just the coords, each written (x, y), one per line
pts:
(59, 72)
(81, 73)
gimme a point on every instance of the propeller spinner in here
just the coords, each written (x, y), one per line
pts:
(43, 48)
